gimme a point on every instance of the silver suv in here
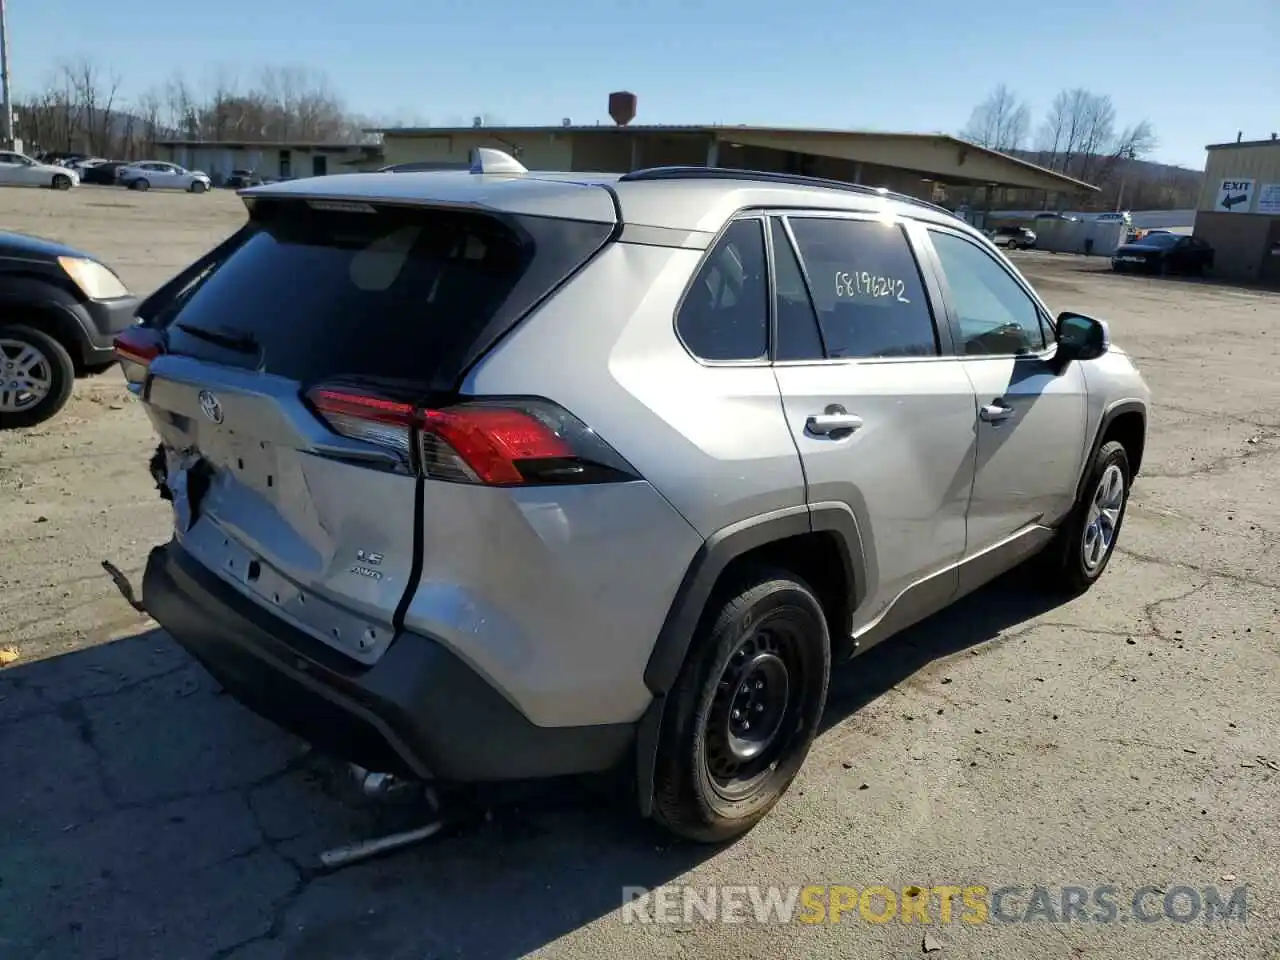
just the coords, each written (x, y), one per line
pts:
(491, 474)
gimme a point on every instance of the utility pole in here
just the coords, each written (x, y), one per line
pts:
(1127, 154)
(6, 136)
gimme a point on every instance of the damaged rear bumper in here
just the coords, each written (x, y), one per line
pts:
(419, 711)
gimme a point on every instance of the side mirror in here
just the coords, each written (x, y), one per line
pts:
(1081, 337)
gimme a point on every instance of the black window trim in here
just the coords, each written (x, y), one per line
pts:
(933, 294)
(781, 220)
(711, 249)
(1047, 326)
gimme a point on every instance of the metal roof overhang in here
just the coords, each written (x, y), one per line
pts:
(945, 158)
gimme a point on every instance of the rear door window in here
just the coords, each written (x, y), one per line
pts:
(353, 290)
(866, 287)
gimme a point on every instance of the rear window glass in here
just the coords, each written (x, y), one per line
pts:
(396, 293)
(866, 287)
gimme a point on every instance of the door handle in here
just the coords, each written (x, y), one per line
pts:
(832, 422)
(996, 412)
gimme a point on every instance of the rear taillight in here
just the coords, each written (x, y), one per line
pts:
(138, 345)
(514, 442)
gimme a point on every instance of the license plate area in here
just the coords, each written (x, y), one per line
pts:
(254, 464)
(304, 609)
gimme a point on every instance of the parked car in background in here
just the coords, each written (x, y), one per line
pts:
(1162, 252)
(59, 310)
(19, 170)
(239, 179)
(693, 407)
(83, 164)
(162, 176)
(1056, 216)
(104, 173)
(59, 158)
(1015, 238)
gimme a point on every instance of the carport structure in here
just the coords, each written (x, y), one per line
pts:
(922, 165)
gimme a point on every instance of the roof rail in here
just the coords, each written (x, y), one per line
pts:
(769, 176)
(489, 160)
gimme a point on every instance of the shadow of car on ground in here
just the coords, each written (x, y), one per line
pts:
(144, 813)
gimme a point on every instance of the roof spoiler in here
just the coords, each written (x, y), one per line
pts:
(489, 160)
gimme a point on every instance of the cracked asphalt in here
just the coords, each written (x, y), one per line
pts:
(1125, 738)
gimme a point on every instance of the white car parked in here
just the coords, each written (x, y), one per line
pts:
(162, 175)
(19, 170)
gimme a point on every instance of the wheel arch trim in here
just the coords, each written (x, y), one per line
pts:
(726, 545)
(52, 310)
(1109, 416)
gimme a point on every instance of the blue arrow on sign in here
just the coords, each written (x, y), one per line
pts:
(1230, 201)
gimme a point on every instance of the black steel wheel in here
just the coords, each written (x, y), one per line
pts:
(745, 708)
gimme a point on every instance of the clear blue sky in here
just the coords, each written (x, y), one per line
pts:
(1198, 71)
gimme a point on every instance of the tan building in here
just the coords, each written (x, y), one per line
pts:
(922, 165)
(1239, 209)
(219, 158)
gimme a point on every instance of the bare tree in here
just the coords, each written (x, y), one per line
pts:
(1000, 122)
(219, 109)
(95, 97)
(1078, 135)
(1097, 133)
(148, 110)
(1136, 141)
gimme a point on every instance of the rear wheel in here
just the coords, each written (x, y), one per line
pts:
(744, 710)
(60, 182)
(36, 376)
(139, 184)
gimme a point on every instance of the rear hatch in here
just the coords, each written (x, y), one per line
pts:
(310, 508)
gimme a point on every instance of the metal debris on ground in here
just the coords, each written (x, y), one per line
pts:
(384, 788)
(931, 943)
(123, 585)
(365, 849)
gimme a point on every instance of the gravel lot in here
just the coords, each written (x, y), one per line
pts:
(1127, 738)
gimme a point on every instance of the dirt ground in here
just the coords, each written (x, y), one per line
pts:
(1127, 738)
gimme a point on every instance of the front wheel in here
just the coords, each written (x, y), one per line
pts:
(36, 376)
(1085, 542)
(197, 186)
(60, 182)
(744, 710)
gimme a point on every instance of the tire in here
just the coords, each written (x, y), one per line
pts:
(54, 363)
(1073, 563)
(60, 181)
(702, 791)
(197, 186)
(140, 184)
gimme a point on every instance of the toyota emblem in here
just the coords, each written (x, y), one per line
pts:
(210, 406)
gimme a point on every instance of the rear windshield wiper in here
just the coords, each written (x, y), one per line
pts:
(241, 342)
